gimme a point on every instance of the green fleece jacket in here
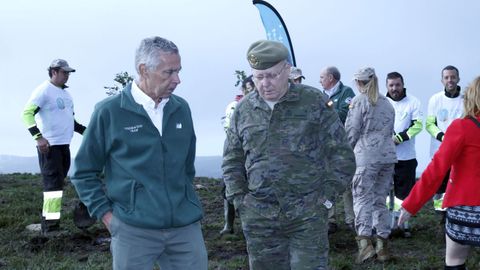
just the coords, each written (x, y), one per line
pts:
(341, 100)
(148, 178)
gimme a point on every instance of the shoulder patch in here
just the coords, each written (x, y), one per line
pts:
(348, 100)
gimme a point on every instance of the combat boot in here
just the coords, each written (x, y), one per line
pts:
(365, 249)
(229, 213)
(381, 248)
(456, 267)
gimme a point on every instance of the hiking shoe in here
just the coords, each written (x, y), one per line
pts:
(381, 249)
(81, 217)
(365, 249)
(332, 227)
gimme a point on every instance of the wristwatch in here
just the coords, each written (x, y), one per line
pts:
(328, 204)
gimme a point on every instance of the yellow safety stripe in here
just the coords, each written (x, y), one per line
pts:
(28, 117)
(52, 204)
(431, 126)
(438, 201)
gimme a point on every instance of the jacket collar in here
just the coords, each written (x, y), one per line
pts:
(128, 103)
(454, 95)
(338, 89)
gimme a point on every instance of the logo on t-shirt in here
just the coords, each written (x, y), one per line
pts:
(443, 115)
(60, 104)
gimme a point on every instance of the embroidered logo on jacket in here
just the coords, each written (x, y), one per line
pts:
(133, 128)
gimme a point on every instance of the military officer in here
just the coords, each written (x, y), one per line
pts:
(286, 157)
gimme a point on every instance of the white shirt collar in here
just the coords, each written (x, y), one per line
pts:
(333, 90)
(141, 98)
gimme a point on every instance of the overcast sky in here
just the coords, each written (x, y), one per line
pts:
(98, 38)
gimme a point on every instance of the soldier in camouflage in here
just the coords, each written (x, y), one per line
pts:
(369, 127)
(285, 158)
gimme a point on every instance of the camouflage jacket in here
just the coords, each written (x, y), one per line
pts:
(289, 158)
(370, 130)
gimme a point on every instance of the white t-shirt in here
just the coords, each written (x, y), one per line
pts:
(228, 114)
(445, 110)
(406, 111)
(55, 117)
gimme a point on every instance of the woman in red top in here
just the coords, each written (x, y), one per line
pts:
(459, 151)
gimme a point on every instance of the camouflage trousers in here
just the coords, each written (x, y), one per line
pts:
(370, 187)
(347, 207)
(280, 243)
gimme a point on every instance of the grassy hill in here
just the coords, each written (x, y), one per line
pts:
(20, 205)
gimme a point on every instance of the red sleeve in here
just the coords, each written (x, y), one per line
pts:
(431, 179)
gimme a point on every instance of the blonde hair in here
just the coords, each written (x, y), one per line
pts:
(370, 88)
(471, 99)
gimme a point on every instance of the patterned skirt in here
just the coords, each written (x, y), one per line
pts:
(463, 224)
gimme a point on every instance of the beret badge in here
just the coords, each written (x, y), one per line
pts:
(253, 60)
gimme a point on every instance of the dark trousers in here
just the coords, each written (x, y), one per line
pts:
(54, 166)
(443, 186)
(404, 177)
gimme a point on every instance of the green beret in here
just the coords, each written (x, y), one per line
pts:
(265, 54)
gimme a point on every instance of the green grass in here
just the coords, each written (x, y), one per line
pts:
(20, 205)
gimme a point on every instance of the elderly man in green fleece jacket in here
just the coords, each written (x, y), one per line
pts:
(143, 140)
(340, 97)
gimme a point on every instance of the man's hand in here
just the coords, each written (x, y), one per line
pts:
(404, 216)
(106, 219)
(43, 145)
(396, 140)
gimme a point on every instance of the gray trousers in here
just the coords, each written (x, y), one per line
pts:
(370, 187)
(175, 248)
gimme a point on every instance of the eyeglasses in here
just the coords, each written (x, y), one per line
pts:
(269, 76)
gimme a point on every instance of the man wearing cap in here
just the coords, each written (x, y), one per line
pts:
(52, 106)
(286, 157)
(340, 97)
(296, 75)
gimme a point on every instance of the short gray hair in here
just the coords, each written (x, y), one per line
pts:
(334, 71)
(149, 51)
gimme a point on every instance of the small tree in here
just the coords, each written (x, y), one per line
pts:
(240, 74)
(122, 78)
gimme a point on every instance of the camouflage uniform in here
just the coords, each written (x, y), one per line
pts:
(279, 167)
(370, 129)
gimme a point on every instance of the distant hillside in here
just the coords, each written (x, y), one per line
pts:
(205, 166)
(17, 164)
(209, 166)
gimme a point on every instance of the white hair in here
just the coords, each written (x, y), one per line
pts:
(149, 51)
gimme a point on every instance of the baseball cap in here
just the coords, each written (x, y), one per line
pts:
(62, 64)
(364, 74)
(295, 73)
